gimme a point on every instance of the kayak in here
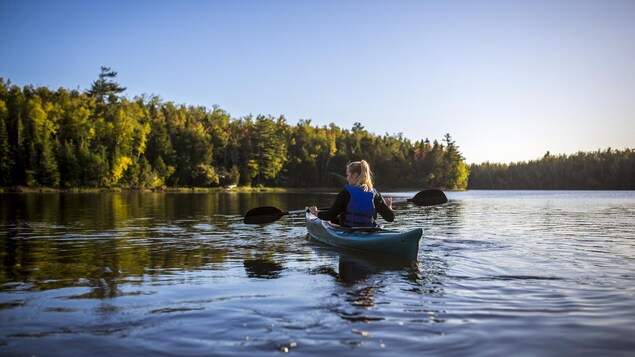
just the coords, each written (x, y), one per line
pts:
(404, 244)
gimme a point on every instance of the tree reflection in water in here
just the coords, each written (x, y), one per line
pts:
(263, 268)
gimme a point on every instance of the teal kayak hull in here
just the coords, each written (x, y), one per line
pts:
(396, 243)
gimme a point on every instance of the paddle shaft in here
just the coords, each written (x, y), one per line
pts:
(298, 211)
(269, 214)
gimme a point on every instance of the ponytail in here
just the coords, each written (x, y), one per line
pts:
(364, 178)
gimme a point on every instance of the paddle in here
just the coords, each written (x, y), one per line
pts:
(268, 214)
(427, 198)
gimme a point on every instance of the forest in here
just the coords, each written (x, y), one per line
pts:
(99, 138)
(608, 169)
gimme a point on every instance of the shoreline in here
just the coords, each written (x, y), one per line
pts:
(244, 189)
(240, 189)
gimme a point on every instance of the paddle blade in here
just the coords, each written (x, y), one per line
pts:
(429, 198)
(261, 215)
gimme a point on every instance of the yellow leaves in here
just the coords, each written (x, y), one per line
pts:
(4, 112)
(76, 118)
(42, 116)
(156, 181)
(119, 168)
(129, 129)
(463, 175)
(142, 137)
(36, 113)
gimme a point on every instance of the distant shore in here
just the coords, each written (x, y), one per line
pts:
(237, 189)
(247, 189)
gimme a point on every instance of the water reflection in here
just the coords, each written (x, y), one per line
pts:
(94, 249)
(56, 240)
(102, 240)
(357, 273)
(370, 284)
(264, 268)
(359, 267)
(180, 274)
(120, 210)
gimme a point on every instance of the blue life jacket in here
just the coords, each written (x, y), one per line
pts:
(360, 211)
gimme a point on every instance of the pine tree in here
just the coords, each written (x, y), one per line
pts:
(6, 162)
(105, 87)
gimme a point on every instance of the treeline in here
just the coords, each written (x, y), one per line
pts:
(600, 170)
(100, 139)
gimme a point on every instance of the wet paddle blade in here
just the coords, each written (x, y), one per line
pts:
(429, 198)
(262, 215)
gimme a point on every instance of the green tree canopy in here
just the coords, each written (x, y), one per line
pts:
(98, 138)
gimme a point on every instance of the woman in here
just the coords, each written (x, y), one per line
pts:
(358, 203)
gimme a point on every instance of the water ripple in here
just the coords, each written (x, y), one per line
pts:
(181, 276)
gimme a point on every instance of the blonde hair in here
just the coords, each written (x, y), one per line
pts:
(364, 178)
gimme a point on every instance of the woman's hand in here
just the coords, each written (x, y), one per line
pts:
(313, 210)
(388, 201)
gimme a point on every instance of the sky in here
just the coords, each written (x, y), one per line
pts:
(509, 80)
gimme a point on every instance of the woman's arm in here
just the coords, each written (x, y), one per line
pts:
(384, 209)
(338, 206)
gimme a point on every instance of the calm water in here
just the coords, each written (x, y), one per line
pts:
(499, 273)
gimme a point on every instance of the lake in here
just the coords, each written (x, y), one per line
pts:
(520, 273)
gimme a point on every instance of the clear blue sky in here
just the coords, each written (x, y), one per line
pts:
(509, 80)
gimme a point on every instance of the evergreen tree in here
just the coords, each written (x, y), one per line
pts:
(456, 171)
(6, 162)
(69, 166)
(105, 86)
